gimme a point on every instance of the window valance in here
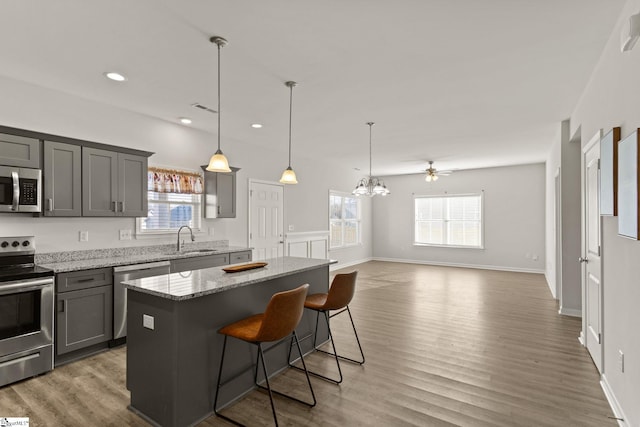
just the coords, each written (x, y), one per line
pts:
(162, 180)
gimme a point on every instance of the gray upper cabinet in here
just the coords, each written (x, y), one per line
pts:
(219, 194)
(113, 184)
(19, 151)
(99, 182)
(132, 185)
(62, 179)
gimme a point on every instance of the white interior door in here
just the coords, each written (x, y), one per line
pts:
(591, 260)
(266, 221)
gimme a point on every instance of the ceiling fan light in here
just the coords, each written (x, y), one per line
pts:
(218, 163)
(288, 176)
(435, 178)
(428, 177)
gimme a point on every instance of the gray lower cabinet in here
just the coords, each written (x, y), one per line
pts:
(113, 184)
(238, 257)
(219, 194)
(62, 186)
(84, 309)
(199, 262)
(19, 151)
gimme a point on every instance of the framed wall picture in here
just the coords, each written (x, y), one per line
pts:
(628, 182)
(609, 172)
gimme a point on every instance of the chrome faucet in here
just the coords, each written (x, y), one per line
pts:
(193, 239)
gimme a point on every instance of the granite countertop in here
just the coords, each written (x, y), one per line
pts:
(61, 262)
(192, 284)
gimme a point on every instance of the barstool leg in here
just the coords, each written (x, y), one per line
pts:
(357, 340)
(215, 401)
(266, 378)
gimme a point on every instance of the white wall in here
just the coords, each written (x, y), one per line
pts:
(611, 99)
(514, 203)
(34, 108)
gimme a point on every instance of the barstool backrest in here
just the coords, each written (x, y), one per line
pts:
(341, 292)
(283, 314)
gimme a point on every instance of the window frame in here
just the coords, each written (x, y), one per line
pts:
(197, 217)
(357, 220)
(440, 196)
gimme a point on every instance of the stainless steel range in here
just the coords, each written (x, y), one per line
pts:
(26, 312)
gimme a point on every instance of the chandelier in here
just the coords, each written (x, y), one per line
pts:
(371, 185)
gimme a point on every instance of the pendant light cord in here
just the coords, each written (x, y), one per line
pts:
(370, 126)
(291, 85)
(219, 47)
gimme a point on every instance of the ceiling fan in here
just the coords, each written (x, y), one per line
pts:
(433, 173)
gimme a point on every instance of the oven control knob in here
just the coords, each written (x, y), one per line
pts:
(26, 243)
(4, 244)
(15, 244)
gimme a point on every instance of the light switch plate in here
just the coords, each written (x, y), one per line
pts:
(291, 228)
(84, 236)
(148, 321)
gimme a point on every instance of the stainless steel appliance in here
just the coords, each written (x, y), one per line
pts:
(20, 189)
(130, 272)
(26, 312)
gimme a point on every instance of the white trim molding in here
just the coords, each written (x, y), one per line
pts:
(339, 265)
(613, 402)
(570, 312)
(454, 264)
(308, 244)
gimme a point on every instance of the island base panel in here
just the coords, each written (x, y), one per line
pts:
(172, 370)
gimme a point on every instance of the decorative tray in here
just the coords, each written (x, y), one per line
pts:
(244, 267)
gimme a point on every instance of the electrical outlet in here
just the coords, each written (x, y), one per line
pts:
(148, 321)
(291, 228)
(621, 360)
(125, 234)
(535, 257)
(84, 236)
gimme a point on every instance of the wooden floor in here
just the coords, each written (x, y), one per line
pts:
(444, 346)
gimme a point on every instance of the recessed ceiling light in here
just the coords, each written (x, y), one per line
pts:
(256, 125)
(185, 120)
(115, 76)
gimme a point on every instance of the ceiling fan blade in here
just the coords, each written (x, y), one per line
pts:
(444, 173)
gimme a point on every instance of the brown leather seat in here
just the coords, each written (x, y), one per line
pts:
(279, 321)
(341, 292)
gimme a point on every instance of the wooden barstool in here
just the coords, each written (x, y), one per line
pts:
(340, 294)
(278, 322)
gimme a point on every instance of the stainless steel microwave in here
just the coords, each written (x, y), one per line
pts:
(20, 189)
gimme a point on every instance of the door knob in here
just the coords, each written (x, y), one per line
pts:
(583, 260)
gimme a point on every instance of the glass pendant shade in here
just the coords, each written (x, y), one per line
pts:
(288, 176)
(218, 163)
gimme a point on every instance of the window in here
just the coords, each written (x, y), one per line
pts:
(344, 220)
(454, 220)
(175, 199)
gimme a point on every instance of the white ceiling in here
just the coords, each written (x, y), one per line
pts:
(467, 83)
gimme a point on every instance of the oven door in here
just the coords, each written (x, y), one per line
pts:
(26, 315)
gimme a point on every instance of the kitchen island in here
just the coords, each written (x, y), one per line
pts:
(174, 350)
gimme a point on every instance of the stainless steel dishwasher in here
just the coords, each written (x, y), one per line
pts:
(130, 272)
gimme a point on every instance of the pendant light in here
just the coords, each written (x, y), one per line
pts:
(289, 176)
(218, 162)
(371, 185)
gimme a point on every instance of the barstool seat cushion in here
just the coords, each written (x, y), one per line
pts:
(316, 301)
(246, 329)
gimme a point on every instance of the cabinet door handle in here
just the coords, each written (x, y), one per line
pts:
(90, 279)
(122, 206)
(49, 205)
(115, 206)
(218, 209)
